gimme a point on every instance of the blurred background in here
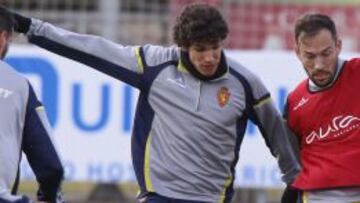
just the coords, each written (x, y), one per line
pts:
(254, 24)
(91, 113)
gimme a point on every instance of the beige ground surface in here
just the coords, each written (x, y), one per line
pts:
(76, 192)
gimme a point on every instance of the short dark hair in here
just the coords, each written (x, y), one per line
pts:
(199, 23)
(7, 21)
(311, 24)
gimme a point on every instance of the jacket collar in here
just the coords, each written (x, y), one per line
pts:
(185, 65)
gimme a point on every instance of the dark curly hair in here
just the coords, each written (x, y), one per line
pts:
(199, 23)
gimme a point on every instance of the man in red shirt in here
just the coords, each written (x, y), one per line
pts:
(324, 113)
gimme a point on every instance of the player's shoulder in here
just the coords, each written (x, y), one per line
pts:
(248, 79)
(155, 54)
(11, 77)
(240, 71)
(299, 90)
(353, 63)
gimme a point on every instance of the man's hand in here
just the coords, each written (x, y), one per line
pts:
(22, 23)
(291, 195)
(58, 199)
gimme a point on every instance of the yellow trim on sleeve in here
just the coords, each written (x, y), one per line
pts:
(181, 67)
(226, 185)
(267, 99)
(148, 183)
(305, 197)
(41, 108)
(139, 60)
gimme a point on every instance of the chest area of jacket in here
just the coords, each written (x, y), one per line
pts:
(329, 115)
(222, 100)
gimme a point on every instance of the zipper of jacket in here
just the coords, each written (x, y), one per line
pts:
(199, 97)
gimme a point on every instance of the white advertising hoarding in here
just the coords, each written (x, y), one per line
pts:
(91, 114)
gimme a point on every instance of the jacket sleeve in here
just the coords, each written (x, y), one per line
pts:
(40, 150)
(294, 140)
(125, 63)
(274, 129)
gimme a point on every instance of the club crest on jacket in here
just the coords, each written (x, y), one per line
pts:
(223, 96)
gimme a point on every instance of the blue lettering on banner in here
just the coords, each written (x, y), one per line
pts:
(282, 94)
(127, 108)
(49, 79)
(251, 129)
(115, 172)
(50, 97)
(104, 111)
(95, 172)
(262, 175)
(70, 170)
(250, 175)
(247, 175)
(111, 172)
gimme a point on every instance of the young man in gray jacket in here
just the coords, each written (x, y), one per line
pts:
(193, 106)
(24, 128)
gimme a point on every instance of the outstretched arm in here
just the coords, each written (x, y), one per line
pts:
(110, 58)
(125, 63)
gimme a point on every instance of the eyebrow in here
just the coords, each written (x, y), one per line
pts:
(324, 50)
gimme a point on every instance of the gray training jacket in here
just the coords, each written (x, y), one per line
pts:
(187, 132)
(24, 128)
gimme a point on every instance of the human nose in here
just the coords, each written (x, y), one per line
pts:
(319, 63)
(209, 55)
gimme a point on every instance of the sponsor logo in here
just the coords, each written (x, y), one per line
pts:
(223, 96)
(301, 103)
(338, 126)
(4, 93)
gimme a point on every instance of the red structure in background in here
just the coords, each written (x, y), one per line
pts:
(251, 25)
(259, 26)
